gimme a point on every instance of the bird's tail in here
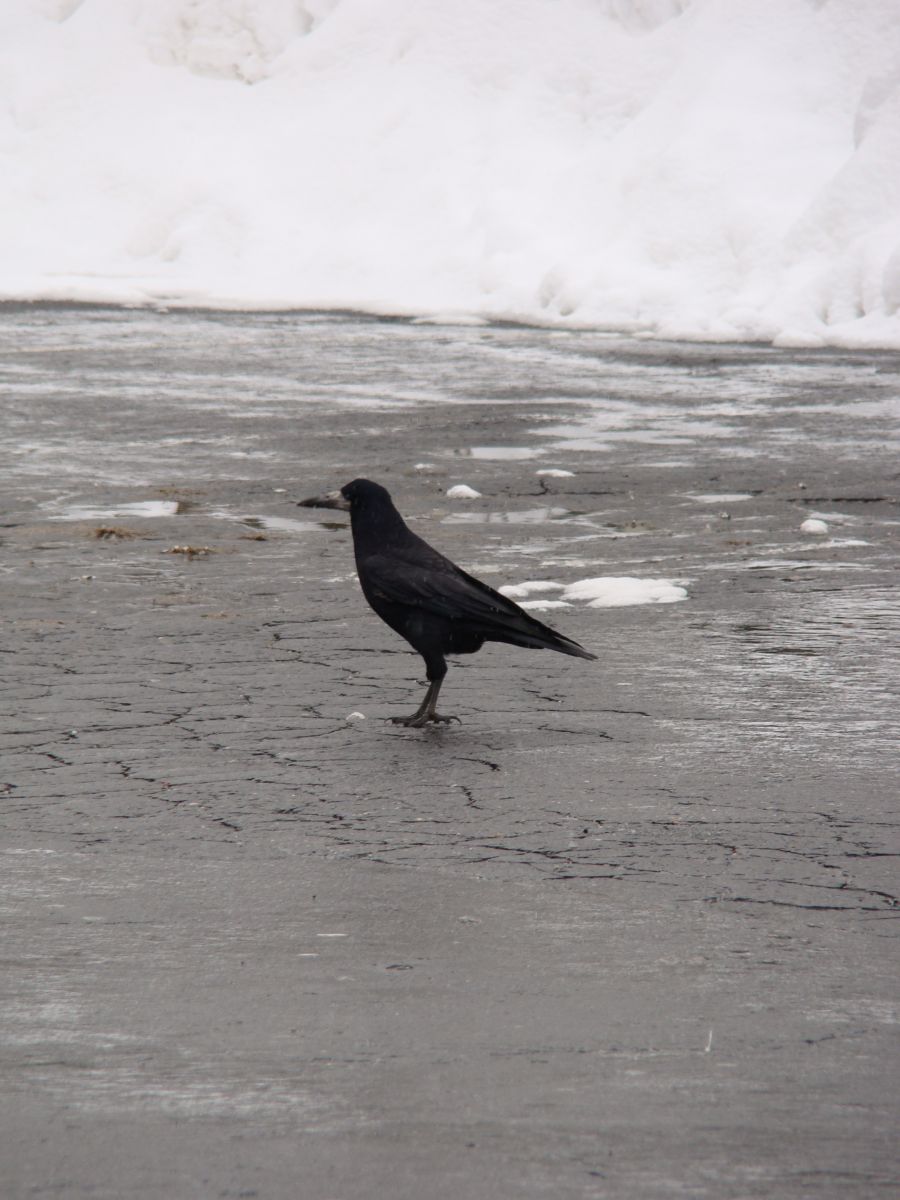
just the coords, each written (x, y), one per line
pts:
(524, 630)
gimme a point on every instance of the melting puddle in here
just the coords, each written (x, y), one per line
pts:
(281, 524)
(171, 508)
(502, 453)
(141, 508)
(290, 524)
(522, 516)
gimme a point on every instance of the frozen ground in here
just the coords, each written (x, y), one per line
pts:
(713, 169)
(625, 933)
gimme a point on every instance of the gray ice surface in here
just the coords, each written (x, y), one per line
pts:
(626, 933)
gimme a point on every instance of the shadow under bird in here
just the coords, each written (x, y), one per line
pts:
(426, 598)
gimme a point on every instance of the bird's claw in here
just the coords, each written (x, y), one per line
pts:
(418, 720)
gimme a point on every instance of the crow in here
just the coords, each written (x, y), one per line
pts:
(426, 598)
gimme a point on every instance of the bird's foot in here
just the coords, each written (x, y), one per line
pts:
(418, 720)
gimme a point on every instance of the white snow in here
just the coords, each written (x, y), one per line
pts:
(717, 169)
(813, 526)
(554, 473)
(619, 591)
(600, 592)
(462, 491)
(545, 604)
(516, 590)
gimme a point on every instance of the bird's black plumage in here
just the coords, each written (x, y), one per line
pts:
(427, 599)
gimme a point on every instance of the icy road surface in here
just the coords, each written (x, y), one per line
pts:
(625, 932)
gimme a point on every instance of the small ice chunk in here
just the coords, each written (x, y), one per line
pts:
(462, 491)
(555, 474)
(356, 716)
(515, 590)
(813, 526)
(424, 467)
(618, 591)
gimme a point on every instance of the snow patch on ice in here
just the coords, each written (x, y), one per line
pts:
(619, 591)
(600, 592)
(544, 604)
(517, 590)
(462, 491)
(554, 473)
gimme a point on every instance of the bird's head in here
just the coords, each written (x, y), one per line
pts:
(356, 496)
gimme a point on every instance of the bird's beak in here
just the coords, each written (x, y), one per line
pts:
(329, 500)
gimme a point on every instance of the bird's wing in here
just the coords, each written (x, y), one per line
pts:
(440, 588)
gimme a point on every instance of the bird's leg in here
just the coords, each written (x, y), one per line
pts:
(426, 710)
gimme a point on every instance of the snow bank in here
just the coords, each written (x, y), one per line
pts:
(690, 168)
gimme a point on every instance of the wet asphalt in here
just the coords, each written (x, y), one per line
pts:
(626, 931)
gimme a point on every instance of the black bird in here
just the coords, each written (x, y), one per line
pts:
(425, 597)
